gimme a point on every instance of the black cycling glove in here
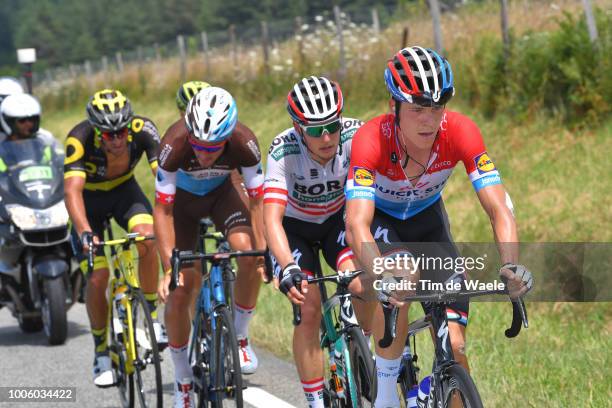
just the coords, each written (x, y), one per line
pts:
(290, 277)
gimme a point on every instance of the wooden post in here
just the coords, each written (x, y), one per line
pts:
(157, 53)
(140, 56)
(89, 74)
(435, 15)
(375, 22)
(204, 37)
(105, 71)
(342, 59)
(73, 71)
(590, 18)
(182, 56)
(504, 27)
(405, 35)
(234, 51)
(300, 42)
(119, 59)
(265, 45)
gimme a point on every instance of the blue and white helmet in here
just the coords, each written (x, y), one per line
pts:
(211, 115)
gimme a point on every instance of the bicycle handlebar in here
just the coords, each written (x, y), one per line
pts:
(128, 239)
(339, 279)
(390, 312)
(178, 257)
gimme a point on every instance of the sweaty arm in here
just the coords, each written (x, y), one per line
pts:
(359, 216)
(254, 182)
(275, 202)
(74, 183)
(73, 194)
(493, 200)
(163, 215)
(489, 189)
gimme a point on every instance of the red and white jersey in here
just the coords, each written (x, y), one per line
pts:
(310, 191)
(376, 171)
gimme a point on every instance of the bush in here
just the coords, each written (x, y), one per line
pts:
(561, 72)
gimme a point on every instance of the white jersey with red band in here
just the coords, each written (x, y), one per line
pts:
(376, 165)
(180, 168)
(310, 191)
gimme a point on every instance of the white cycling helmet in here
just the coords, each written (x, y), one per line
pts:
(315, 100)
(19, 106)
(9, 86)
(211, 115)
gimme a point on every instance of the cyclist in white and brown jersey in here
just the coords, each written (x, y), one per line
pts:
(197, 156)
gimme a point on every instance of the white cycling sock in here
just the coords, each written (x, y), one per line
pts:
(313, 391)
(180, 359)
(386, 374)
(242, 318)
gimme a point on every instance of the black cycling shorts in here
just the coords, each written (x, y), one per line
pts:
(126, 203)
(425, 235)
(304, 236)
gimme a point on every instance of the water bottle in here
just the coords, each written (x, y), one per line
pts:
(120, 293)
(423, 392)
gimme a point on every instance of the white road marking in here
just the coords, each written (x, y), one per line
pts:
(262, 399)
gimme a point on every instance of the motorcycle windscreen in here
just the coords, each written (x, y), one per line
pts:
(34, 171)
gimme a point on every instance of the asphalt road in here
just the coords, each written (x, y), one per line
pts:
(27, 360)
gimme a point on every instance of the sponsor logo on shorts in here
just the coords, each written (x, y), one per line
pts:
(484, 163)
(363, 177)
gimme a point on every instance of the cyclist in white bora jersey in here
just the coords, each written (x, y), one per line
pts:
(303, 206)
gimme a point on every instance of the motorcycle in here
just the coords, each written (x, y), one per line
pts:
(37, 273)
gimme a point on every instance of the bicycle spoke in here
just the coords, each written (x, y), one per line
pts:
(147, 364)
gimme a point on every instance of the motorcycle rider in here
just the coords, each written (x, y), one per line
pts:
(8, 86)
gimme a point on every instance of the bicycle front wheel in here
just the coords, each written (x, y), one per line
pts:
(118, 353)
(458, 388)
(147, 367)
(362, 367)
(228, 378)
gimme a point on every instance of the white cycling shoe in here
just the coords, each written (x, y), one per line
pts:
(184, 396)
(103, 373)
(248, 359)
(142, 337)
(160, 335)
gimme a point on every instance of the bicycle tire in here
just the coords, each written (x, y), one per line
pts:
(362, 368)
(125, 381)
(147, 354)
(456, 378)
(201, 363)
(228, 378)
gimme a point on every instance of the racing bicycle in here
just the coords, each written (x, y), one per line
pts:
(133, 346)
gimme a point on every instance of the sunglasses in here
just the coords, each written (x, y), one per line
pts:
(27, 119)
(120, 134)
(207, 149)
(427, 102)
(318, 131)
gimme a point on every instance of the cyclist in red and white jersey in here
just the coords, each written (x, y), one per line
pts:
(400, 163)
(303, 207)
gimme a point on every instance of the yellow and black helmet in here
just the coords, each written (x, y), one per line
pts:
(109, 110)
(187, 91)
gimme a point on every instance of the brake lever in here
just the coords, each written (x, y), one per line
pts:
(297, 309)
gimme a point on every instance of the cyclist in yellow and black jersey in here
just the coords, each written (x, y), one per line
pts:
(101, 154)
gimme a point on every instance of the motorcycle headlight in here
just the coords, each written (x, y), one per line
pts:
(28, 218)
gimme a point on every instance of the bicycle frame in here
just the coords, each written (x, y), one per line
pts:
(123, 273)
(334, 328)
